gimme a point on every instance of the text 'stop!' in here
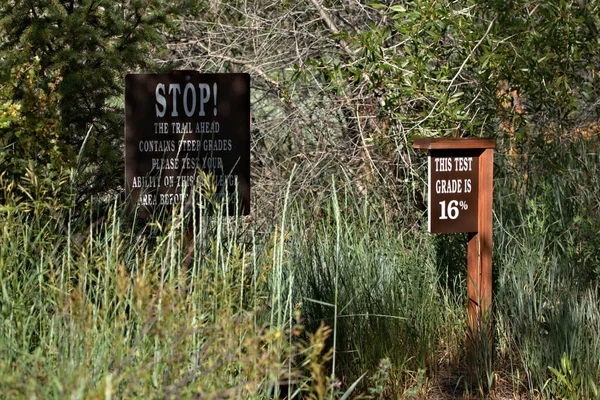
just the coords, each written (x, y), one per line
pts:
(186, 130)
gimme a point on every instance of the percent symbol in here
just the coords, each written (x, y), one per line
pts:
(464, 205)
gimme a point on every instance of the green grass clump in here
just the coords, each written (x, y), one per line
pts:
(95, 307)
(546, 271)
(378, 285)
(328, 297)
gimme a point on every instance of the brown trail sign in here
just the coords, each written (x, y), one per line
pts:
(460, 181)
(453, 189)
(179, 124)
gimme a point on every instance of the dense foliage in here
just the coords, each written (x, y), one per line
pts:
(62, 69)
(332, 287)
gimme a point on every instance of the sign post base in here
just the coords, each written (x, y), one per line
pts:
(460, 193)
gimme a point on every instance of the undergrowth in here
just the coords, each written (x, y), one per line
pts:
(328, 299)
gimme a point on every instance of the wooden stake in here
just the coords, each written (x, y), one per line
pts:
(479, 257)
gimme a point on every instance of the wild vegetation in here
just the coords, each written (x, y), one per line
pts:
(332, 288)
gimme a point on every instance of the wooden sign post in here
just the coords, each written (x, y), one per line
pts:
(460, 193)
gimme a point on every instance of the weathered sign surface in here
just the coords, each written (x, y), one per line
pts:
(179, 124)
(453, 190)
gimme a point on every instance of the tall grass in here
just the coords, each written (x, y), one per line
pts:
(99, 307)
(546, 242)
(329, 297)
(378, 285)
(394, 292)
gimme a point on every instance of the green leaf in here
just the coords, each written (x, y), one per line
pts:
(340, 36)
(377, 6)
(455, 97)
(352, 387)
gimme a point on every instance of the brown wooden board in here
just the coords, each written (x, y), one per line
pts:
(458, 160)
(180, 123)
(454, 143)
(453, 189)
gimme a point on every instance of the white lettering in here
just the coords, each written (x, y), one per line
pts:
(147, 200)
(170, 198)
(204, 96)
(449, 186)
(467, 186)
(212, 163)
(165, 163)
(145, 181)
(161, 146)
(160, 100)
(189, 98)
(443, 164)
(174, 89)
(189, 111)
(217, 145)
(463, 164)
